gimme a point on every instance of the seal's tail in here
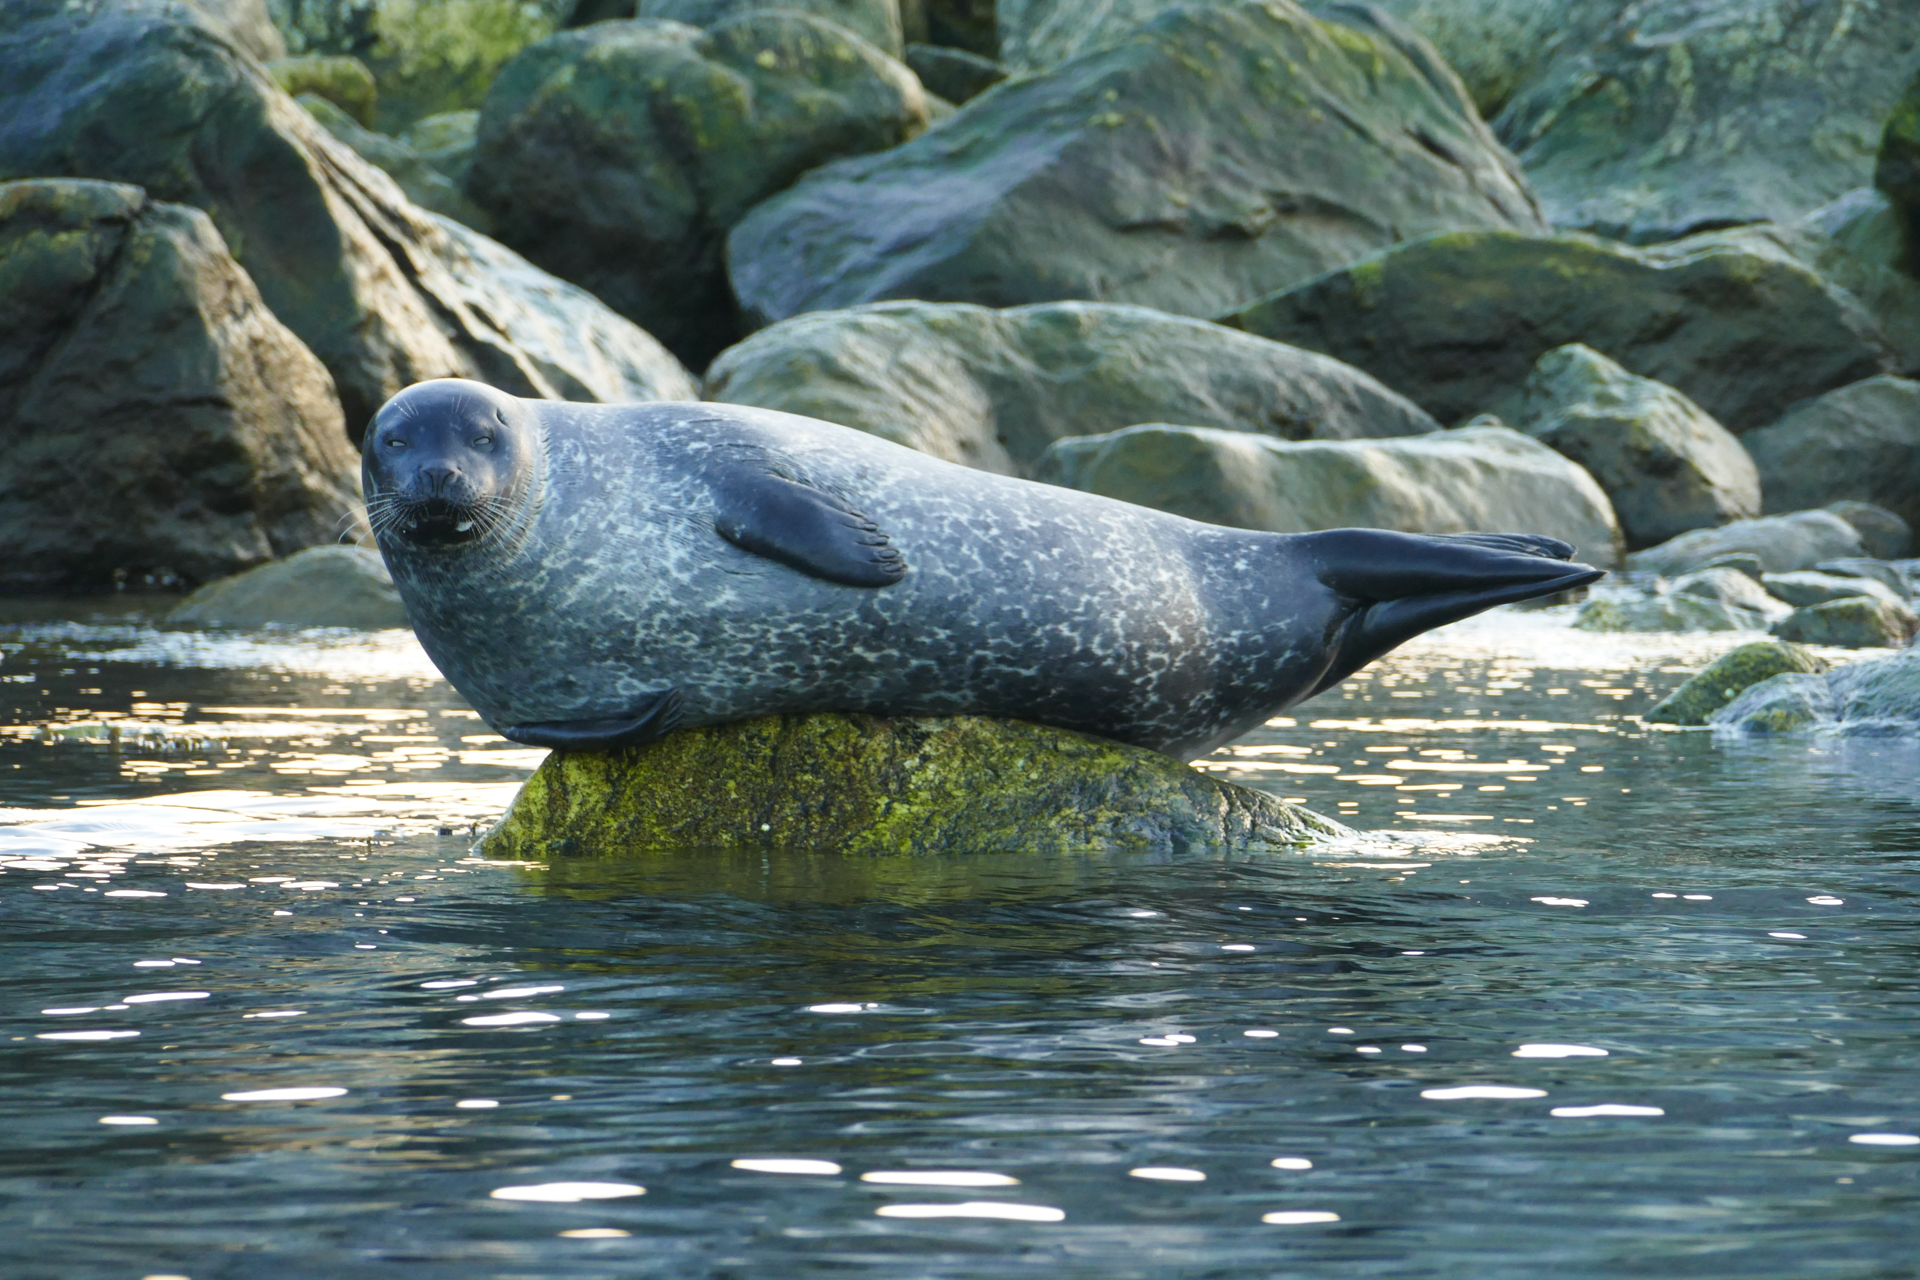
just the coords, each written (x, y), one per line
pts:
(1408, 583)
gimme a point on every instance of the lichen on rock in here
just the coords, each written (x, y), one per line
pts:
(1730, 675)
(870, 785)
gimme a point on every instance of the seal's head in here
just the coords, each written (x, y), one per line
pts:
(446, 463)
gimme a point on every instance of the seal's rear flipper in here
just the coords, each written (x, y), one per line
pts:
(1408, 583)
(653, 718)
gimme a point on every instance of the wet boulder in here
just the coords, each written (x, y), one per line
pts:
(992, 389)
(1861, 442)
(335, 586)
(386, 294)
(1475, 479)
(1684, 115)
(1888, 573)
(1851, 622)
(1875, 697)
(1456, 322)
(1783, 544)
(875, 21)
(1666, 465)
(860, 785)
(1730, 675)
(1213, 155)
(1664, 612)
(618, 156)
(157, 423)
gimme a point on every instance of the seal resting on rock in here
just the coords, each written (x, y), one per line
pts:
(593, 576)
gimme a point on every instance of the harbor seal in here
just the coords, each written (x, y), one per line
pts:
(592, 575)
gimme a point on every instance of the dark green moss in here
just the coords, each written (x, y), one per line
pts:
(1730, 675)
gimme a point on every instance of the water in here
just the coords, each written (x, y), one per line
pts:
(1719, 938)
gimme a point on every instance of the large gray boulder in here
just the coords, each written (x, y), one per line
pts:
(1782, 543)
(875, 21)
(1684, 115)
(1476, 479)
(1806, 587)
(1664, 462)
(1215, 154)
(148, 92)
(1457, 321)
(992, 389)
(320, 587)
(156, 422)
(1861, 442)
(1851, 622)
(425, 185)
(620, 155)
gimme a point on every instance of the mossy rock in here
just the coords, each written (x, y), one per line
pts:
(344, 81)
(1855, 622)
(868, 785)
(1730, 675)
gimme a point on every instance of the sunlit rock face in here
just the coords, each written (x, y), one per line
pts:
(876, 785)
(157, 423)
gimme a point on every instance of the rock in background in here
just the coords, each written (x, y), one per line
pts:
(147, 91)
(1665, 464)
(1685, 115)
(992, 389)
(1875, 698)
(425, 185)
(875, 21)
(1861, 442)
(859, 786)
(318, 587)
(1476, 479)
(1730, 675)
(1781, 543)
(1214, 155)
(1456, 321)
(619, 155)
(157, 423)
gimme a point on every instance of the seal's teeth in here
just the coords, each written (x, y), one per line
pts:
(463, 526)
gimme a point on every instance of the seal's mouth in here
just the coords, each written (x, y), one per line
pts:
(435, 522)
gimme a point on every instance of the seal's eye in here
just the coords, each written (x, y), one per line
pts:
(396, 443)
(483, 442)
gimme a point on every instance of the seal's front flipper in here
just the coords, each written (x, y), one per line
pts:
(805, 529)
(1408, 583)
(654, 717)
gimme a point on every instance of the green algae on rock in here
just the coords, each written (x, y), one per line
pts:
(861, 784)
(1730, 675)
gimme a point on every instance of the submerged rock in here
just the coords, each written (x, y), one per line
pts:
(1218, 153)
(157, 422)
(1877, 697)
(1783, 544)
(992, 389)
(1664, 462)
(149, 92)
(1684, 115)
(1457, 321)
(1474, 479)
(1728, 676)
(1851, 622)
(1861, 442)
(319, 587)
(865, 785)
(619, 156)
